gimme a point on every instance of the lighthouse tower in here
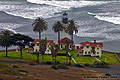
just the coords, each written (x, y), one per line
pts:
(65, 24)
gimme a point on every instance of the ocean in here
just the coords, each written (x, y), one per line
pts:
(96, 20)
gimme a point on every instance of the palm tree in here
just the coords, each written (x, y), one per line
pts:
(67, 43)
(52, 51)
(39, 25)
(70, 58)
(71, 29)
(37, 54)
(56, 50)
(4, 39)
(43, 44)
(57, 27)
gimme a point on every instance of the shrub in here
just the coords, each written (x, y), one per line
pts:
(107, 75)
(54, 67)
(61, 54)
(49, 62)
(22, 70)
(101, 64)
(15, 66)
(87, 65)
(32, 63)
(62, 66)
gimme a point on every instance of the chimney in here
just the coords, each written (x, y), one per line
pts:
(94, 41)
(45, 38)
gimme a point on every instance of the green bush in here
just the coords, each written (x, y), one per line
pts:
(62, 66)
(15, 66)
(49, 62)
(61, 54)
(22, 70)
(32, 63)
(87, 65)
(54, 67)
(101, 64)
(107, 75)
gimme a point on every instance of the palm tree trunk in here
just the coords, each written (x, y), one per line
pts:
(66, 56)
(6, 52)
(37, 58)
(59, 38)
(42, 57)
(39, 35)
(21, 53)
(72, 40)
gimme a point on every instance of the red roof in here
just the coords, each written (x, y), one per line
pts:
(93, 44)
(92, 50)
(48, 41)
(37, 40)
(63, 40)
(80, 48)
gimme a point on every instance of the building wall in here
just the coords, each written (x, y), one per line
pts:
(48, 51)
(98, 51)
(87, 51)
(77, 46)
(63, 47)
(36, 48)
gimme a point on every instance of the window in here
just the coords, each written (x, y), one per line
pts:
(93, 52)
(48, 45)
(97, 48)
(36, 50)
(97, 52)
(70, 46)
(87, 46)
(88, 52)
(37, 44)
(85, 52)
(61, 46)
(48, 50)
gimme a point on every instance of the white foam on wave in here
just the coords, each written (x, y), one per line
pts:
(68, 4)
(48, 10)
(104, 31)
(10, 26)
(114, 20)
(109, 17)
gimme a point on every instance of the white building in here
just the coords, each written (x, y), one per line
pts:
(62, 45)
(36, 46)
(91, 48)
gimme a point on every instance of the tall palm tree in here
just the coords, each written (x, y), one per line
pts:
(4, 39)
(43, 44)
(57, 27)
(67, 43)
(71, 29)
(39, 25)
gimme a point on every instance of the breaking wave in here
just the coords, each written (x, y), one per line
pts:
(41, 8)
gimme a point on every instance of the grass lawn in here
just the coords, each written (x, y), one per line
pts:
(26, 56)
(86, 59)
(79, 59)
(109, 58)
